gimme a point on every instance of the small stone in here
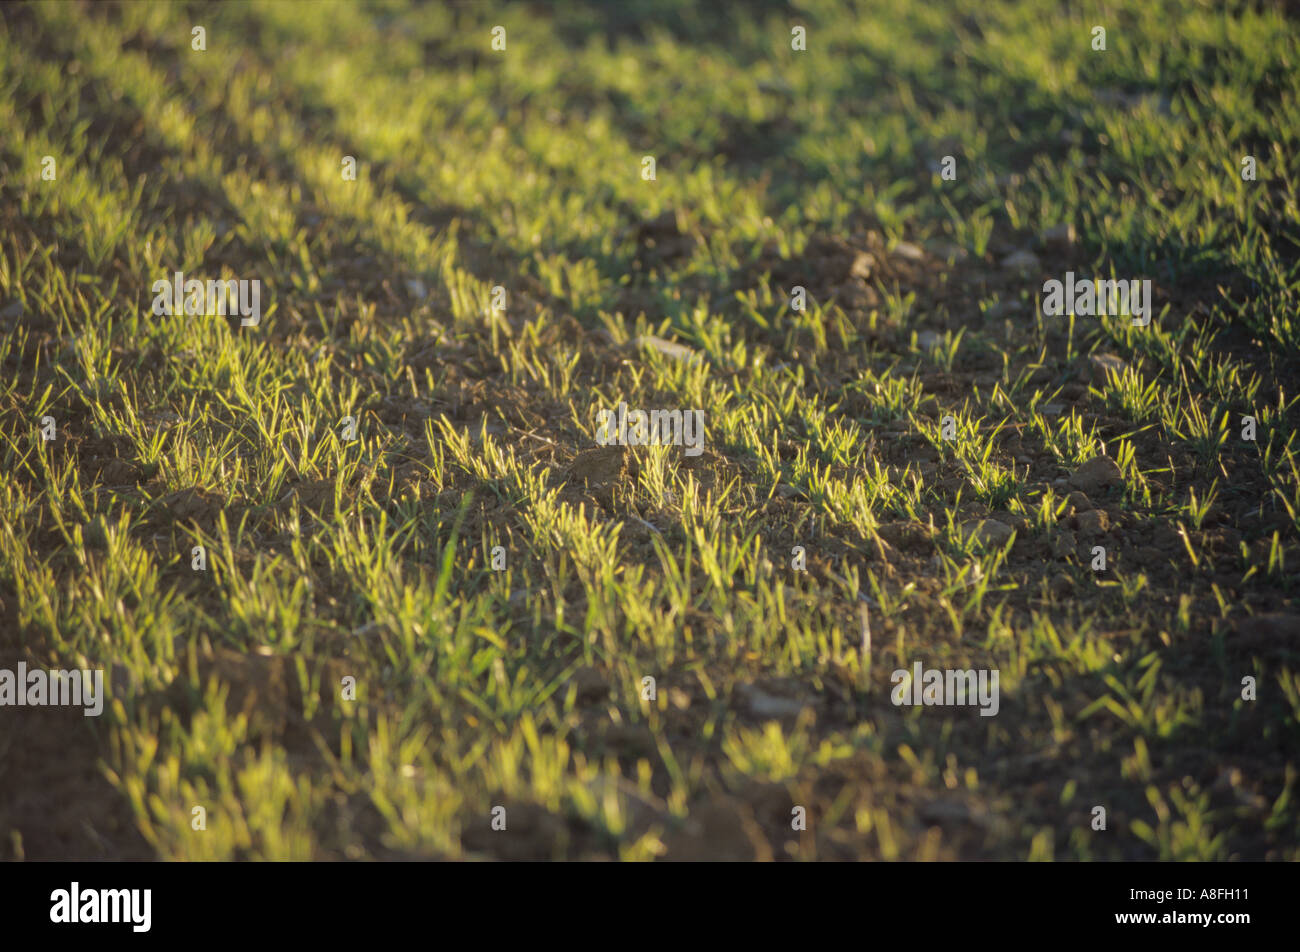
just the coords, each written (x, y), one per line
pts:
(928, 340)
(949, 810)
(417, 288)
(668, 348)
(905, 249)
(1022, 260)
(762, 704)
(863, 265)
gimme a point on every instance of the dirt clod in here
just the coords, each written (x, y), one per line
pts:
(987, 531)
(1092, 523)
(1096, 475)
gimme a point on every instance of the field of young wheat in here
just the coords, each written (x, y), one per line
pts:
(649, 430)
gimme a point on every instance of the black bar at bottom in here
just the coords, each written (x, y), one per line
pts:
(337, 901)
